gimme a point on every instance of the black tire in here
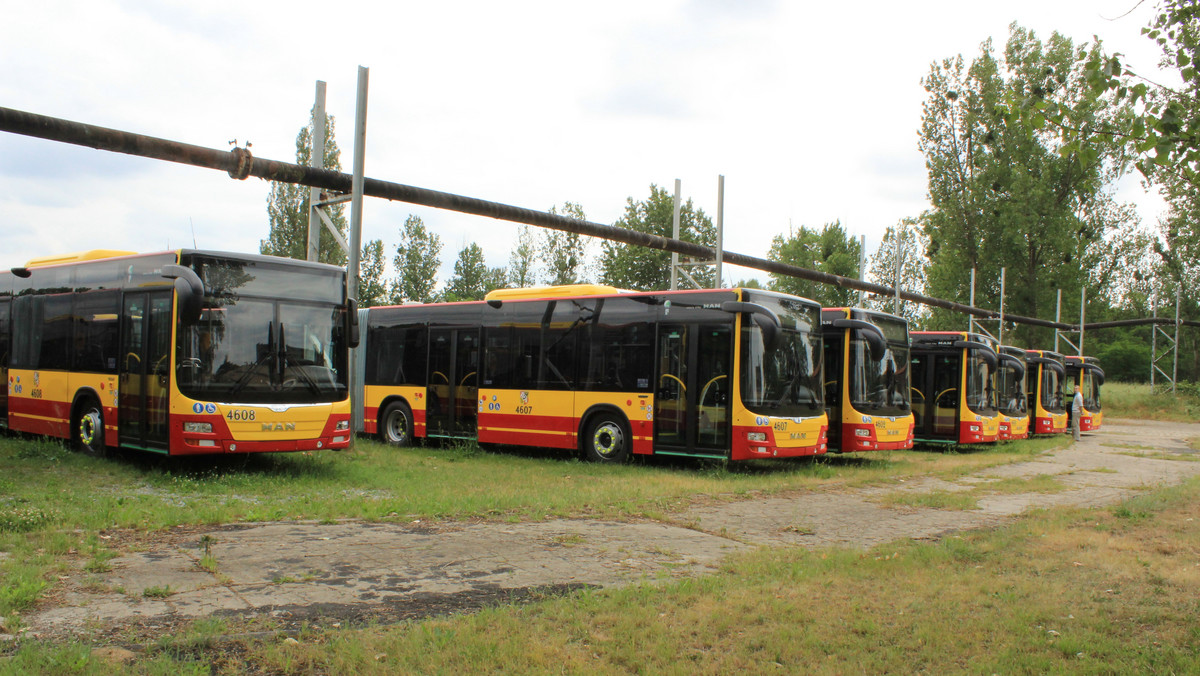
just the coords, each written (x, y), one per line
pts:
(396, 424)
(87, 429)
(607, 439)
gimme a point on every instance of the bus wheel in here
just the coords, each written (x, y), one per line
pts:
(396, 425)
(88, 429)
(606, 439)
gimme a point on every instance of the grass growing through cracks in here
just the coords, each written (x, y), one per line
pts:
(57, 506)
(1112, 590)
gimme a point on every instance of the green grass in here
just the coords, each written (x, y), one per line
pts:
(1058, 591)
(1137, 402)
(56, 503)
(980, 602)
(969, 498)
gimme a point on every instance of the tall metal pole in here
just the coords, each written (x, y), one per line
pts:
(1175, 368)
(720, 227)
(1057, 318)
(1153, 341)
(1082, 309)
(316, 160)
(899, 266)
(356, 189)
(971, 318)
(675, 235)
(862, 265)
(1000, 333)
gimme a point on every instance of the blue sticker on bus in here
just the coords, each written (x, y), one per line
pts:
(198, 407)
(210, 408)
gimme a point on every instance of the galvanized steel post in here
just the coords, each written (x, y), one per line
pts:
(316, 160)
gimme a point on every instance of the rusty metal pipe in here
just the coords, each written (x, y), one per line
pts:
(234, 162)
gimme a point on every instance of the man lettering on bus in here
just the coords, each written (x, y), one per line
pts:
(1076, 412)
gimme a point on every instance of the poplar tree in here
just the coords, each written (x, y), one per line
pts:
(287, 206)
(642, 269)
(418, 257)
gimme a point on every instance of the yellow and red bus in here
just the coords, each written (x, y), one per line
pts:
(1043, 381)
(1087, 374)
(1011, 400)
(726, 373)
(954, 391)
(179, 352)
(867, 393)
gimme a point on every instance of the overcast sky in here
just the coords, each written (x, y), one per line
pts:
(810, 110)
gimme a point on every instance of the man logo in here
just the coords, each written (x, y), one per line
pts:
(279, 427)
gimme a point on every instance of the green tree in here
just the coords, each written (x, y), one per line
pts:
(830, 250)
(881, 269)
(1158, 128)
(372, 289)
(287, 206)
(418, 257)
(1010, 196)
(522, 263)
(751, 283)
(563, 253)
(642, 269)
(472, 277)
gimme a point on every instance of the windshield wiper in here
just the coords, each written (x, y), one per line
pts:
(299, 368)
(270, 353)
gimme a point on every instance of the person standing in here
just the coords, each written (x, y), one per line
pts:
(1076, 412)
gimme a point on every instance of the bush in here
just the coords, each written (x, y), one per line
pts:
(1126, 361)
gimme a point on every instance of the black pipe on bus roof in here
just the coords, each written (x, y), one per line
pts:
(240, 164)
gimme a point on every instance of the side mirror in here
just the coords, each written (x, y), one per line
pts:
(188, 289)
(352, 332)
(766, 320)
(876, 343)
(1017, 365)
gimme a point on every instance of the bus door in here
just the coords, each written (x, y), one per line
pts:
(451, 408)
(144, 369)
(5, 341)
(692, 400)
(947, 376)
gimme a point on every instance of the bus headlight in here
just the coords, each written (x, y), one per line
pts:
(860, 432)
(974, 428)
(756, 436)
(197, 427)
(342, 426)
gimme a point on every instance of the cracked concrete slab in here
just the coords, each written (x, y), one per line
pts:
(334, 570)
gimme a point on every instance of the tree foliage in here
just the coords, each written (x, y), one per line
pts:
(642, 269)
(372, 287)
(829, 250)
(287, 206)
(472, 277)
(418, 257)
(1013, 196)
(564, 253)
(881, 269)
(522, 263)
(1156, 127)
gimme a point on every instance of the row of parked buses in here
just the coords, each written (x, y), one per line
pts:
(194, 352)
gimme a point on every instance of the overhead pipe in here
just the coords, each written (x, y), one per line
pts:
(240, 164)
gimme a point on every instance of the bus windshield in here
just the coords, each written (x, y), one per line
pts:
(981, 395)
(881, 386)
(1091, 391)
(256, 343)
(1011, 390)
(783, 379)
(1052, 399)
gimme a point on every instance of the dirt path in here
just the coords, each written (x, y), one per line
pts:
(305, 572)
